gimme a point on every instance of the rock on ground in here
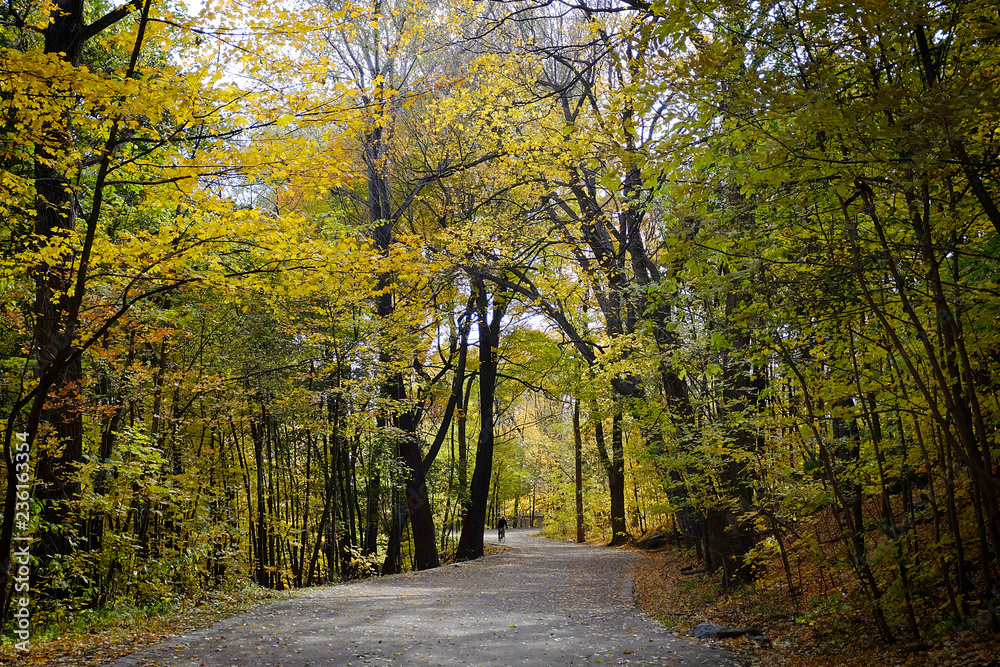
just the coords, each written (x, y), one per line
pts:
(714, 631)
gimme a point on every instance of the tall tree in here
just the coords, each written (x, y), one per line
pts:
(490, 311)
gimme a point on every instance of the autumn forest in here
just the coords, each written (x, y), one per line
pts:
(306, 291)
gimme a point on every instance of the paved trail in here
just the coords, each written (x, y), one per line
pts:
(541, 603)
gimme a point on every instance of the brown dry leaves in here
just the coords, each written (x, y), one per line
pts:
(681, 601)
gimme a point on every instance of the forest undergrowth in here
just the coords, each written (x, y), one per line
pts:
(802, 630)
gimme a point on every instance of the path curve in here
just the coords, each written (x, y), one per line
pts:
(540, 603)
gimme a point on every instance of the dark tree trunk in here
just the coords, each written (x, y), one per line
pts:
(407, 445)
(614, 467)
(419, 507)
(60, 448)
(616, 483)
(470, 543)
(727, 536)
(260, 529)
(578, 452)
(393, 563)
(463, 451)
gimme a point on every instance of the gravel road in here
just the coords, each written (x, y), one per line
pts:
(540, 603)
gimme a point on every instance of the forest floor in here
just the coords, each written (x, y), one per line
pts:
(537, 602)
(792, 639)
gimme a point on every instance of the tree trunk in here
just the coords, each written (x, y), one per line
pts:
(470, 544)
(578, 452)
(394, 387)
(418, 504)
(614, 467)
(616, 483)
(59, 449)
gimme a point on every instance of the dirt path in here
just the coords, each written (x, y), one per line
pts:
(541, 603)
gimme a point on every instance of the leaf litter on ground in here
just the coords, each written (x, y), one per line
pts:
(671, 586)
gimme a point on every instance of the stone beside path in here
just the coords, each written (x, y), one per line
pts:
(540, 603)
